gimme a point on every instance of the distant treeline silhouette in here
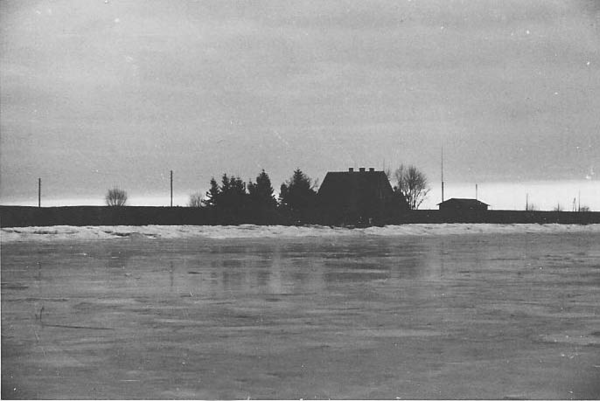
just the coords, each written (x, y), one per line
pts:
(234, 202)
(361, 198)
(351, 198)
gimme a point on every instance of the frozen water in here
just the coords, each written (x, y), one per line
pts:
(414, 311)
(254, 231)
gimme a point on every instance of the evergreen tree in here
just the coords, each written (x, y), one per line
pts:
(262, 202)
(235, 195)
(261, 193)
(298, 197)
(224, 190)
(231, 200)
(212, 194)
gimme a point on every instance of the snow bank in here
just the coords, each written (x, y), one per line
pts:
(57, 233)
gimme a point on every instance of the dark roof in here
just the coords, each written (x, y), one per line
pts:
(349, 197)
(464, 202)
(344, 183)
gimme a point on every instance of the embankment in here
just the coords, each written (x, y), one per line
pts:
(501, 217)
(23, 216)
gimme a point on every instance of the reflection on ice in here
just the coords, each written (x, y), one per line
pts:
(223, 268)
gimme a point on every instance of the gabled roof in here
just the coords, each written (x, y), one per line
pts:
(464, 202)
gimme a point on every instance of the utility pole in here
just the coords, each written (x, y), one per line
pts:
(526, 201)
(476, 197)
(171, 188)
(39, 192)
(442, 173)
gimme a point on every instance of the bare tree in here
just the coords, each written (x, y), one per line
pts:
(412, 184)
(116, 197)
(195, 200)
(532, 207)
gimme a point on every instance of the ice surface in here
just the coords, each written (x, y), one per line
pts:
(20, 234)
(411, 312)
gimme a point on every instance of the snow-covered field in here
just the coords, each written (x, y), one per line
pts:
(253, 231)
(415, 311)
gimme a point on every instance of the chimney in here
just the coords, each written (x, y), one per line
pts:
(351, 169)
(371, 169)
(362, 169)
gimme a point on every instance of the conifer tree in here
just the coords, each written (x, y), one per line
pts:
(261, 200)
(212, 194)
(298, 197)
(261, 193)
(228, 200)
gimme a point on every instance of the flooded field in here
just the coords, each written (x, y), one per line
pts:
(355, 314)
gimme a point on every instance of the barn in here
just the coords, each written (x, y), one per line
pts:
(362, 197)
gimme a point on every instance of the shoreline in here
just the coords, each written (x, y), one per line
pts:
(252, 232)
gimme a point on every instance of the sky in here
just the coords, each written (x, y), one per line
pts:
(103, 93)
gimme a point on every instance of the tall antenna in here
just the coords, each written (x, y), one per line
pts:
(476, 197)
(442, 173)
(171, 188)
(39, 192)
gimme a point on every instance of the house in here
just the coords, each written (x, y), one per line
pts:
(461, 205)
(358, 198)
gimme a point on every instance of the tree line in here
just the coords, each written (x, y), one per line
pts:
(233, 200)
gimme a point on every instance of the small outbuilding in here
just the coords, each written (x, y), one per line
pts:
(458, 205)
(362, 197)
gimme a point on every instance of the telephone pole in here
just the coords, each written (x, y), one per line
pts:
(442, 173)
(171, 188)
(39, 192)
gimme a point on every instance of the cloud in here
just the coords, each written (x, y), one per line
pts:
(592, 7)
(204, 84)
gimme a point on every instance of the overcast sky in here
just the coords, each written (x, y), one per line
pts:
(98, 93)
